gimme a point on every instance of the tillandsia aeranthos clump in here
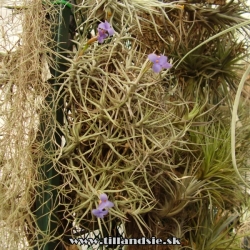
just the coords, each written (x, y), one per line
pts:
(149, 147)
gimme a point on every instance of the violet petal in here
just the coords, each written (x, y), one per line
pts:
(105, 204)
(156, 68)
(153, 57)
(99, 213)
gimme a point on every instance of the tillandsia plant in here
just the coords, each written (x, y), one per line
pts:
(158, 146)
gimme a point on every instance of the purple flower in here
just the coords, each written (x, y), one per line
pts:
(104, 203)
(104, 30)
(99, 213)
(160, 62)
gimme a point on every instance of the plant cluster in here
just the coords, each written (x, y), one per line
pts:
(149, 145)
